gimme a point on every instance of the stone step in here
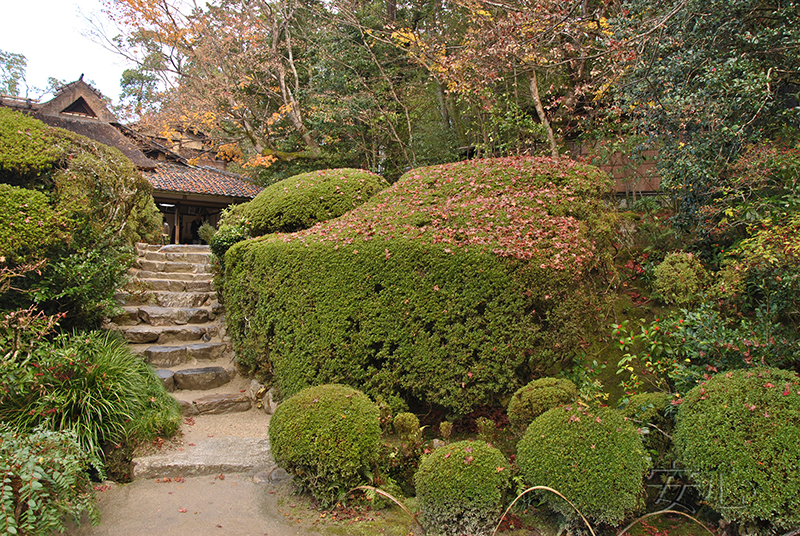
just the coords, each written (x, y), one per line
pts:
(166, 299)
(202, 378)
(209, 456)
(145, 333)
(137, 274)
(176, 355)
(139, 285)
(166, 316)
(194, 258)
(173, 267)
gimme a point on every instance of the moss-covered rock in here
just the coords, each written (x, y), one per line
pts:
(454, 287)
(738, 435)
(593, 457)
(301, 201)
(537, 397)
(461, 488)
(328, 437)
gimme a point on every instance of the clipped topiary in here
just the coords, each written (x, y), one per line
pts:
(328, 437)
(679, 278)
(447, 288)
(461, 488)
(737, 435)
(593, 457)
(301, 201)
(537, 397)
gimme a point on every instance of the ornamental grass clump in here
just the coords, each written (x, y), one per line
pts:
(451, 288)
(592, 456)
(461, 488)
(737, 435)
(90, 384)
(328, 437)
(537, 397)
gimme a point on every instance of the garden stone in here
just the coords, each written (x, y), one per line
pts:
(197, 379)
(167, 378)
(222, 403)
(165, 356)
(208, 351)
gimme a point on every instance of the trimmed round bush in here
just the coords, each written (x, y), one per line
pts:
(738, 435)
(537, 397)
(301, 201)
(328, 437)
(461, 487)
(593, 457)
(679, 278)
(406, 426)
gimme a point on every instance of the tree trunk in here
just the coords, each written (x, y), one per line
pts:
(537, 101)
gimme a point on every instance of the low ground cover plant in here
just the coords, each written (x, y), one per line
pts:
(592, 456)
(737, 435)
(454, 287)
(462, 488)
(328, 437)
(43, 482)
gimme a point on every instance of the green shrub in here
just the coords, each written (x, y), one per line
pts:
(102, 202)
(593, 457)
(301, 201)
(537, 397)
(453, 287)
(406, 426)
(679, 279)
(461, 488)
(29, 225)
(647, 411)
(328, 437)
(43, 481)
(28, 148)
(737, 435)
(206, 232)
(90, 384)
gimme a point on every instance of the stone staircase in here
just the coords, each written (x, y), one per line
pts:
(172, 317)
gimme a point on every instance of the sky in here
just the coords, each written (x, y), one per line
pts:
(51, 35)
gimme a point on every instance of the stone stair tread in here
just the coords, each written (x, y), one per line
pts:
(172, 276)
(212, 455)
(169, 285)
(182, 334)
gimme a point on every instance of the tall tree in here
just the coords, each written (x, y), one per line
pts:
(12, 73)
(711, 78)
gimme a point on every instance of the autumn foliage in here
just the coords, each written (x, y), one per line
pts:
(454, 287)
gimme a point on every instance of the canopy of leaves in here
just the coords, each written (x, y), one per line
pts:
(712, 78)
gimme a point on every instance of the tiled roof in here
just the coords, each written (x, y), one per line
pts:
(200, 180)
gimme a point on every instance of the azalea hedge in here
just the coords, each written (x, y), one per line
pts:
(454, 287)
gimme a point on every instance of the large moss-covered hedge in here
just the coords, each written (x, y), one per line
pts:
(455, 286)
(92, 203)
(301, 201)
